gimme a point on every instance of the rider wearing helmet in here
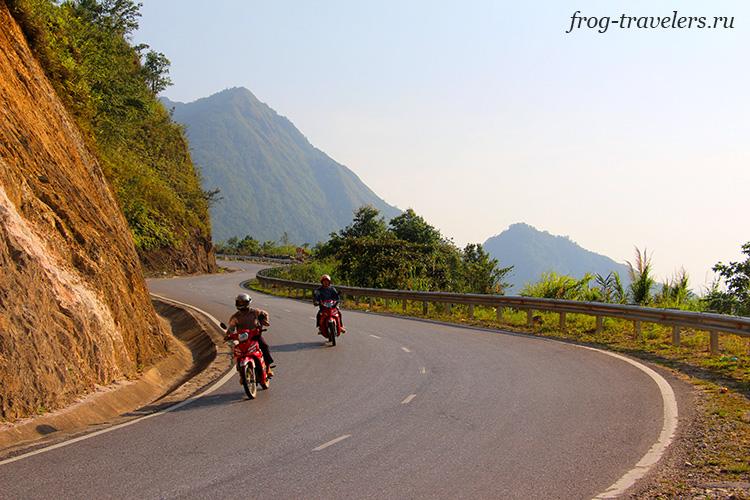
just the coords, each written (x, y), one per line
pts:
(326, 292)
(250, 318)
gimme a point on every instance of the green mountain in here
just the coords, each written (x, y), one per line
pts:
(533, 252)
(272, 180)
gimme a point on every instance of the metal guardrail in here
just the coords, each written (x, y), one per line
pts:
(256, 258)
(677, 319)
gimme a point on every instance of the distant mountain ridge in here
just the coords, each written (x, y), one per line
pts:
(272, 180)
(533, 252)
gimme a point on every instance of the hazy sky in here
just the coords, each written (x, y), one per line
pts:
(479, 114)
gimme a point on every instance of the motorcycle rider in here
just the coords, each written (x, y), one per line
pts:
(326, 292)
(249, 318)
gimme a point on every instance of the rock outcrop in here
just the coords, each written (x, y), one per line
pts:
(74, 308)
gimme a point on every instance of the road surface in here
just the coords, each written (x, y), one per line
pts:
(399, 409)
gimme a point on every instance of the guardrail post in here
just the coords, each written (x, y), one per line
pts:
(599, 324)
(369, 302)
(403, 305)
(471, 311)
(448, 308)
(714, 342)
(529, 318)
(637, 333)
(424, 307)
(563, 324)
(676, 335)
(499, 313)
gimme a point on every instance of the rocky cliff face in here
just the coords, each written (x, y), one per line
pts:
(74, 309)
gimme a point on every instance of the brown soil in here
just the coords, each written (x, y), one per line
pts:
(74, 310)
(190, 257)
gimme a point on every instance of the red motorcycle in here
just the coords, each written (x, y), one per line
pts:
(248, 359)
(330, 320)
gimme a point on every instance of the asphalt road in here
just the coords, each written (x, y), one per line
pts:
(399, 409)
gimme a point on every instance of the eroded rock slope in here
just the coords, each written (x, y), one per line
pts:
(74, 308)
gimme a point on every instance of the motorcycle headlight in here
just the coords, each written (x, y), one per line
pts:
(243, 336)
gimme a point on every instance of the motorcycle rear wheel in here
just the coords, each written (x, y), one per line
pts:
(249, 381)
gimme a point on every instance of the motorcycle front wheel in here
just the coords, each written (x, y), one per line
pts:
(332, 332)
(249, 381)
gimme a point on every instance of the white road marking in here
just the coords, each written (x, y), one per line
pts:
(423, 370)
(223, 380)
(669, 426)
(408, 399)
(312, 317)
(332, 442)
(287, 310)
(405, 349)
(374, 336)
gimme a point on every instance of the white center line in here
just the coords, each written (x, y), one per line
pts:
(408, 399)
(332, 442)
(374, 336)
(405, 349)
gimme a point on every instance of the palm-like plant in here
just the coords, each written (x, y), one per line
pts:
(641, 279)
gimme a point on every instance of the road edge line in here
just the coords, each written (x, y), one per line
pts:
(666, 436)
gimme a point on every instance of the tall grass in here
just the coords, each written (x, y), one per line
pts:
(641, 279)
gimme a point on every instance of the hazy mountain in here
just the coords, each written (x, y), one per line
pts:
(272, 180)
(534, 252)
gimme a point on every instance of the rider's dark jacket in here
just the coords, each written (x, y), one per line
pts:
(325, 293)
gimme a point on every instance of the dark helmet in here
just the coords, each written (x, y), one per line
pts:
(325, 277)
(242, 301)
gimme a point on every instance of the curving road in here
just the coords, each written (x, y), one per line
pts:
(399, 409)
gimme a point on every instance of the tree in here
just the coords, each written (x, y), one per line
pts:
(156, 71)
(413, 228)
(116, 16)
(480, 273)
(736, 276)
(367, 222)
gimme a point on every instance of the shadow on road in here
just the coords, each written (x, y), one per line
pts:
(223, 399)
(297, 346)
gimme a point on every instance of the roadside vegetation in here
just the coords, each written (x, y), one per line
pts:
(406, 253)
(249, 246)
(110, 86)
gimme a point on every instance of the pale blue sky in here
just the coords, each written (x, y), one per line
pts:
(479, 114)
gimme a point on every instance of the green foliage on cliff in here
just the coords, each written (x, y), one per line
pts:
(110, 87)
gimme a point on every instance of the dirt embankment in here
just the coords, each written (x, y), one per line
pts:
(74, 309)
(194, 256)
